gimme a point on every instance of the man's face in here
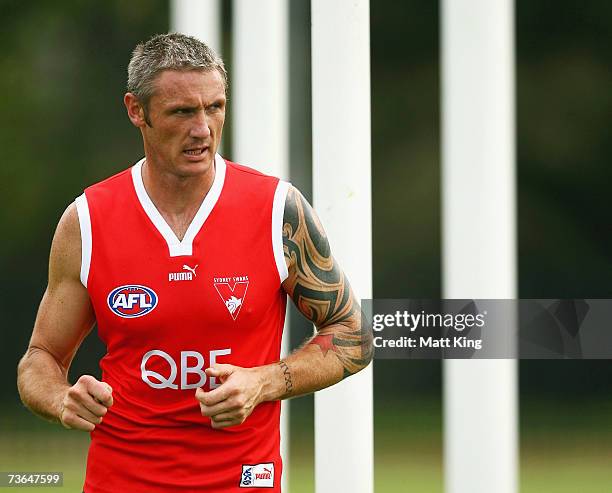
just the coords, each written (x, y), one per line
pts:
(186, 115)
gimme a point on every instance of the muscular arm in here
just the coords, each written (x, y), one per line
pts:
(320, 290)
(65, 317)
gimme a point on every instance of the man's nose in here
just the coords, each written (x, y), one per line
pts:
(200, 128)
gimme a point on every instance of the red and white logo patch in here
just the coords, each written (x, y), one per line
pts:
(257, 475)
(232, 291)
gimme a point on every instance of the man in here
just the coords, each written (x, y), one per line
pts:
(184, 261)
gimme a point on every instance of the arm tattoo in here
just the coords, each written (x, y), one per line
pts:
(287, 375)
(320, 289)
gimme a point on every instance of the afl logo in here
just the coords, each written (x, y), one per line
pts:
(132, 300)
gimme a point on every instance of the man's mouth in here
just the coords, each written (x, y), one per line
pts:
(195, 151)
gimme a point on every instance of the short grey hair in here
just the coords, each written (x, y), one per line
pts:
(173, 51)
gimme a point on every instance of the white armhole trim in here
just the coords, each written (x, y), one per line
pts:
(278, 212)
(85, 224)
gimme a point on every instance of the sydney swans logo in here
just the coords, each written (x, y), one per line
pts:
(232, 291)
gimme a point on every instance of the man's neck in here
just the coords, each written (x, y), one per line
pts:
(176, 198)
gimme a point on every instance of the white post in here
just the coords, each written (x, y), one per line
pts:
(198, 18)
(259, 96)
(342, 198)
(259, 101)
(479, 235)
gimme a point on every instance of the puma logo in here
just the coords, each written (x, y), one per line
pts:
(183, 276)
(186, 267)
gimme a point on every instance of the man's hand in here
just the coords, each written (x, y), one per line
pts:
(85, 403)
(234, 400)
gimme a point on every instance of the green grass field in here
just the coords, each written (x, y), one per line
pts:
(562, 450)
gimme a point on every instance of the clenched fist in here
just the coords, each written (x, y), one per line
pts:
(85, 403)
(234, 400)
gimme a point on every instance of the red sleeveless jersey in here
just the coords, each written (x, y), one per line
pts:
(167, 310)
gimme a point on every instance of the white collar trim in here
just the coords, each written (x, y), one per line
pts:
(177, 247)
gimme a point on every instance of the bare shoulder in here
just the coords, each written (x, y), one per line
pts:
(315, 282)
(65, 257)
(301, 227)
(65, 315)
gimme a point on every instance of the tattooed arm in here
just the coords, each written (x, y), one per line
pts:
(320, 290)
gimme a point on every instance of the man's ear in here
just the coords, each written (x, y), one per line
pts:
(135, 110)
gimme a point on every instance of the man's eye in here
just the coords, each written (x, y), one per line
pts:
(183, 111)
